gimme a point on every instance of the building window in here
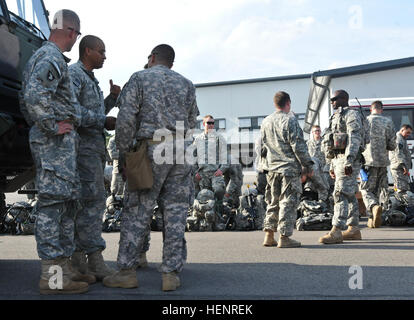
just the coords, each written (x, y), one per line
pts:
(221, 124)
(245, 123)
(251, 123)
(301, 119)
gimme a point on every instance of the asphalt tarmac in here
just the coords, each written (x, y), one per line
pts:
(235, 266)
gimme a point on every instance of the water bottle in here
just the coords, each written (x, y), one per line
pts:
(364, 175)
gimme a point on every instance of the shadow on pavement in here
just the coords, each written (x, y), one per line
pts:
(238, 281)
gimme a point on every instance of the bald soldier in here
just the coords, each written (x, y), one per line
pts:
(91, 158)
(53, 113)
(154, 100)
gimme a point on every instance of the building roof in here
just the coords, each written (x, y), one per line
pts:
(228, 83)
(367, 68)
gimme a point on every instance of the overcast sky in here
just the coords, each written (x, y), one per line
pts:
(220, 40)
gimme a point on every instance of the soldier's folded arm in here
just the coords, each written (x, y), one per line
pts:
(38, 96)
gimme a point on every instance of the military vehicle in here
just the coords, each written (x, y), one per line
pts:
(24, 26)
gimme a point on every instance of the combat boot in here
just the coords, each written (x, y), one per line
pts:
(97, 266)
(125, 278)
(269, 240)
(79, 261)
(66, 287)
(377, 216)
(286, 242)
(353, 233)
(75, 275)
(170, 281)
(142, 262)
(333, 237)
(370, 223)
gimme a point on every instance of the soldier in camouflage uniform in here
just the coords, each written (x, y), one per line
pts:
(50, 108)
(382, 140)
(401, 164)
(155, 99)
(287, 158)
(233, 178)
(315, 151)
(117, 184)
(261, 174)
(317, 182)
(346, 153)
(118, 188)
(211, 155)
(91, 158)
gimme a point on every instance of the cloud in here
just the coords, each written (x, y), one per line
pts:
(222, 40)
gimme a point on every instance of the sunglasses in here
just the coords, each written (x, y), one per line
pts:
(211, 123)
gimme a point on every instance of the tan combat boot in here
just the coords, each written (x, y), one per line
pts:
(269, 240)
(79, 261)
(353, 233)
(286, 242)
(126, 279)
(67, 286)
(75, 275)
(142, 262)
(377, 216)
(333, 237)
(370, 223)
(170, 281)
(97, 266)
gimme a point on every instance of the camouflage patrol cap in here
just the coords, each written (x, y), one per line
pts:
(205, 195)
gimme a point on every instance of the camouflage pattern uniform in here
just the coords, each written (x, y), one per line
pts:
(234, 181)
(203, 216)
(317, 183)
(382, 140)
(315, 151)
(91, 161)
(154, 99)
(261, 175)
(400, 159)
(287, 154)
(346, 209)
(211, 156)
(117, 183)
(46, 99)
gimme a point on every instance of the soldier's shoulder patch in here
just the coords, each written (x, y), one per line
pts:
(76, 82)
